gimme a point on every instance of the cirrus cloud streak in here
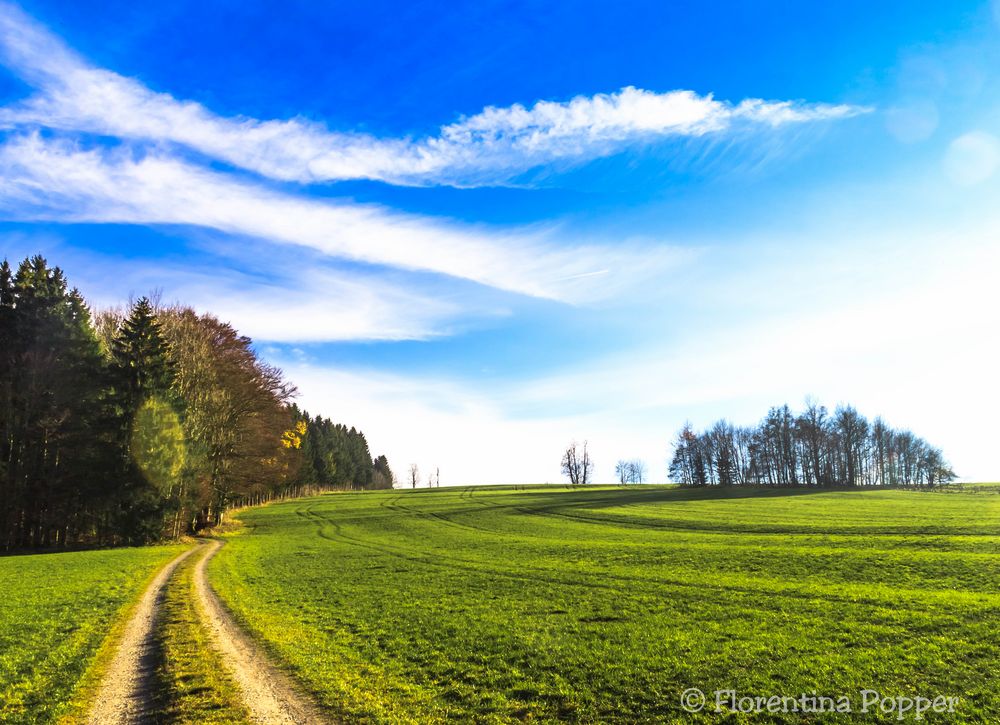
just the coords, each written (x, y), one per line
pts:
(487, 148)
(58, 180)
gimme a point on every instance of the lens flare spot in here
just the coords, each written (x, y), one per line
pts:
(913, 121)
(158, 446)
(972, 158)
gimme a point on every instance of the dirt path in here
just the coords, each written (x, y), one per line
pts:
(125, 694)
(267, 693)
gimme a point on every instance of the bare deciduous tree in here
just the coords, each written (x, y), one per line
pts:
(576, 464)
(637, 470)
(622, 471)
(414, 475)
(633, 471)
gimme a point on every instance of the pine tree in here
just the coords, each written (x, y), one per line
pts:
(56, 443)
(152, 451)
(140, 356)
(7, 353)
(382, 476)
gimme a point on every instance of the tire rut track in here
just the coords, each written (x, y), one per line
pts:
(267, 692)
(125, 696)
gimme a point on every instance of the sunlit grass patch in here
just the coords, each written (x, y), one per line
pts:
(56, 612)
(605, 604)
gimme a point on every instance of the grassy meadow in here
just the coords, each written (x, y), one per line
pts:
(606, 603)
(56, 611)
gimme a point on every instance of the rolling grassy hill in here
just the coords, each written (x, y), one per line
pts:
(605, 604)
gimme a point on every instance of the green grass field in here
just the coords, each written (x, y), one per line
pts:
(56, 611)
(605, 604)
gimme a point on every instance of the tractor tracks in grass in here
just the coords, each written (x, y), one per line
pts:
(126, 694)
(267, 692)
(327, 528)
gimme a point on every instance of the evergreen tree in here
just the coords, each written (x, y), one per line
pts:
(382, 475)
(56, 439)
(140, 357)
(150, 438)
(7, 352)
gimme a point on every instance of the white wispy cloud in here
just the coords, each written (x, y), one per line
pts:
(57, 180)
(294, 303)
(489, 147)
(48, 173)
(272, 297)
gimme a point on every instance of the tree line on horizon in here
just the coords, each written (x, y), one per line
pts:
(813, 448)
(135, 425)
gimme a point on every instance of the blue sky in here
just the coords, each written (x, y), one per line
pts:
(482, 233)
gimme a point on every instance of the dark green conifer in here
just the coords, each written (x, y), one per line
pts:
(140, 357)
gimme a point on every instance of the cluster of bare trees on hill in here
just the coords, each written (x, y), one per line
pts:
(433, 478)
(633, 471)
(813, 448)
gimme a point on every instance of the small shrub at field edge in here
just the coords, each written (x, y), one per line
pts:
(605, 604)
